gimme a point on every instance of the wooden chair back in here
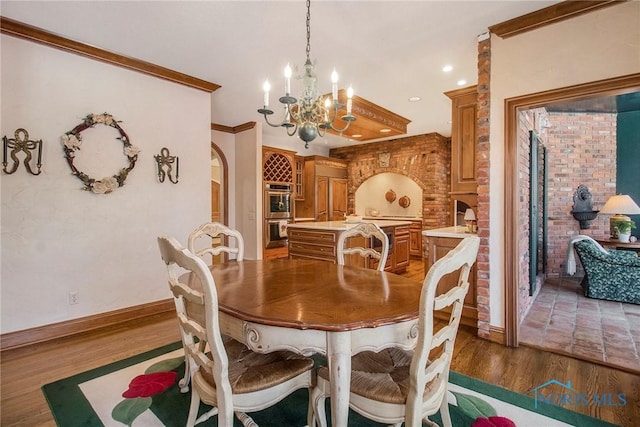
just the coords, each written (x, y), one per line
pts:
(197, 312)
(215, 230)
(425, 367)
(368, 231)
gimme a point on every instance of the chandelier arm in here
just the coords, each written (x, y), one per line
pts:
(293, 129)
(276, 125)
(344, 128)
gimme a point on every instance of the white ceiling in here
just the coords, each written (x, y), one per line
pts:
(387, 50)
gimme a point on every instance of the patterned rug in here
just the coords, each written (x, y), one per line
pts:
(142, 391)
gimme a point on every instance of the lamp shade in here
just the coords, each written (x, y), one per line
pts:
(469, 215)
(620, 204)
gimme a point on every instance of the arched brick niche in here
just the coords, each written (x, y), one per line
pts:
(426, 159)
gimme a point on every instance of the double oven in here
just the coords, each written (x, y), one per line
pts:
(278, 212)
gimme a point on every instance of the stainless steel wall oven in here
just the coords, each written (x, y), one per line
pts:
(277, 201)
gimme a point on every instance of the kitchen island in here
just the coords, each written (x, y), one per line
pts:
(317, 240)
(437, 243)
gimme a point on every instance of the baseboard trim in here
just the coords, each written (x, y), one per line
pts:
(496, 334)
(54, 331)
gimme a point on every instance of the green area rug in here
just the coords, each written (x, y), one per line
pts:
(95, 398)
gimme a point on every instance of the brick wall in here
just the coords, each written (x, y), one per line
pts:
(581, 149)
(426, 159)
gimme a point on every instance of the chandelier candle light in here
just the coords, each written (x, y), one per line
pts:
(311, 115)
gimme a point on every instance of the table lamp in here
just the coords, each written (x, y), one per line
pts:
(470, 221)
(620, 206)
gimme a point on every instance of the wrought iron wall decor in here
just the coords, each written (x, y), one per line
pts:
(20, 143)
(165, 165)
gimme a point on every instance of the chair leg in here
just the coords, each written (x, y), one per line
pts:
(193, 408)
(311, 414)
(444, 412)
(317, 399)
(184, 382)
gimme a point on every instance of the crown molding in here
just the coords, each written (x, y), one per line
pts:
(549, 15)
(38, 35)
(233, 129)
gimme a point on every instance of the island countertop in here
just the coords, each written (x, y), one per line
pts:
(343, 225)
(459, 232)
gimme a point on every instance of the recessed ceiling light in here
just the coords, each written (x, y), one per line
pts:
(385, 130)
(447, 68)
(414, 99)
(462, 82)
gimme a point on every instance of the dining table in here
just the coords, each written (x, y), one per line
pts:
(313, 306)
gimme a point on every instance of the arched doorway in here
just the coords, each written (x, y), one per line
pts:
(219, 191)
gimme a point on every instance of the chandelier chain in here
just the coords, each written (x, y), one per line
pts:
(308, 28)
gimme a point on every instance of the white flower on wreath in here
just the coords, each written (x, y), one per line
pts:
(105, 118)
(131, 150)
(105, 185)
(71, 141)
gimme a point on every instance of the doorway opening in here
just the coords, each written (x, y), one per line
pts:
(514, 210)
(219, 196)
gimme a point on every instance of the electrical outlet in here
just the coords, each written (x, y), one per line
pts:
(73, 298)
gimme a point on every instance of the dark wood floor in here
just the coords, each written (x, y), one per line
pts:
(522, 369)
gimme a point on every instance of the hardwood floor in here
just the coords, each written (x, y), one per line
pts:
(522, 369)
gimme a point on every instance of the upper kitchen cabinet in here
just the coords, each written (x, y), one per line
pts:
(278, 165)
(325, 189)
(463, 140)
(299, 179)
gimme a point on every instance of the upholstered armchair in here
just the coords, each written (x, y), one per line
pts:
(609, 274)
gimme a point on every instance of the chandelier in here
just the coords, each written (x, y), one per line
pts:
(311, 115)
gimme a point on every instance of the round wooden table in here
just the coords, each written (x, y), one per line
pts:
(310, 306)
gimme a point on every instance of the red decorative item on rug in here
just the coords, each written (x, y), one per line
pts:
(150, 384)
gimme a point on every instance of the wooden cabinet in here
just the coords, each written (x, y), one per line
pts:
(299, 177)
(401, 249)
(438, 247)
(314, 244)
(321, 244)
(277, 165)
(464, 140)
(325, 189)
(415, 239)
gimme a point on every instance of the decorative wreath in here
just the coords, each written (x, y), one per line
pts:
(72, 140)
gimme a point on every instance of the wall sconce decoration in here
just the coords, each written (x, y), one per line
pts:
(165, 165)
(21, 142)
(582, 210)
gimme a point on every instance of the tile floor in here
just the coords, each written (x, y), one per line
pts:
(563, 320)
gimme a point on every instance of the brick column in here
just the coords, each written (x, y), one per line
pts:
(482, 166)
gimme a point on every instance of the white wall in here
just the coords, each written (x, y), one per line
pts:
(248, 190)
(57, 238)
(595, 46)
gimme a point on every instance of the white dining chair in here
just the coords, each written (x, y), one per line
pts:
(368, 231)
(215, 231)
(395, 386)
(230, 377)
